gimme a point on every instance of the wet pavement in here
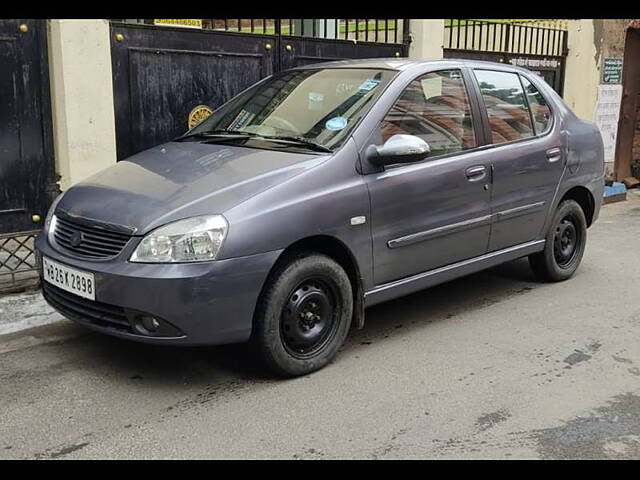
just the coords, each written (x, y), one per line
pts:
(20, 311)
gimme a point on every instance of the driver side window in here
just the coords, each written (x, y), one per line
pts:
(434, 107)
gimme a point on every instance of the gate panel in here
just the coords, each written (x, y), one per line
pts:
(27, 178)
(297, 51)
(540, 49)
(161, 74)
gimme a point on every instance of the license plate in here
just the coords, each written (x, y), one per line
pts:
(69, 279)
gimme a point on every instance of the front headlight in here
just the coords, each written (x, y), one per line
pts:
(50, 219)
(196, 239)
(52, 208)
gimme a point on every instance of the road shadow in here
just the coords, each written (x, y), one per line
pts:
(165, 366)
(444, 301)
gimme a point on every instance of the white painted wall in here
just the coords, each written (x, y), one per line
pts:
(427, 38)
(583, 70)
(82, 98)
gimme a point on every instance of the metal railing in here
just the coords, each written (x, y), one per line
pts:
(18, 263)
(381, 30)
(503, 37)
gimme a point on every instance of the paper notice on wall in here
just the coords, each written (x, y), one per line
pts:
(606, 117)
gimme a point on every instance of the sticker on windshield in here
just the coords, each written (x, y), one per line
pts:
(369, 85)
(336, 123)
(315, 101)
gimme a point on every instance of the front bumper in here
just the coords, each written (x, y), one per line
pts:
(206, 303)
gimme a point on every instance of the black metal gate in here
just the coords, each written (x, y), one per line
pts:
(26, 168)
(27, 172)
(162, 75)
(540, 49)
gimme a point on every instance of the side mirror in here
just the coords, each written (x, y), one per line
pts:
(398, 149)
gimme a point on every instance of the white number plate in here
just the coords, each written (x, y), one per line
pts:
(69, 279)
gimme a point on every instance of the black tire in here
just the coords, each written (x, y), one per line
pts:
(303, 315)
(565, 244)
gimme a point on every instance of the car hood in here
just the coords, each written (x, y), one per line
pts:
(179, 180)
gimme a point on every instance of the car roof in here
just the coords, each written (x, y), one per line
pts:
(395, 63)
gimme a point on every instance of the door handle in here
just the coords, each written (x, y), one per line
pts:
(554, 154)
(476, 173)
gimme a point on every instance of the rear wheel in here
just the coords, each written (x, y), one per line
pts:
(565, 244)
(303, 315)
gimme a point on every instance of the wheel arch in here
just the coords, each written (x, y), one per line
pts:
(584, 198)
(339, 252)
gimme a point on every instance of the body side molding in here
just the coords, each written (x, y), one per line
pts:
(404, 286)
(461, 226)
(438, 232)
(523, 210)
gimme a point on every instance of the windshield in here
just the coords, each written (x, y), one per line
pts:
(318, 106)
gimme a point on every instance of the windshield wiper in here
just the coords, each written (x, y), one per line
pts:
(212, 134)
(301, 141)
(241, 134)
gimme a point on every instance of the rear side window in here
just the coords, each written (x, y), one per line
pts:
(504, 99)
(540, 110)
(434, 107)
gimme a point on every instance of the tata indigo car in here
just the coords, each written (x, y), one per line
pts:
(318, 192)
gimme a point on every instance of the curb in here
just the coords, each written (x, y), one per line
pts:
(616, 192)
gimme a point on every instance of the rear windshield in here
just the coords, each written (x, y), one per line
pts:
(319, 105)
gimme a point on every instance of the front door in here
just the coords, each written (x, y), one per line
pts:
(527, 160)
(435, 212)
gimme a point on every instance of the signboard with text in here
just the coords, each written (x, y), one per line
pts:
(606, 117)
(179, 22)
(612, 71)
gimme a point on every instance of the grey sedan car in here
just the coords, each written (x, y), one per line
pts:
(318, 192)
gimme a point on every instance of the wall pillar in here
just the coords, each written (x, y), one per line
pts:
(82, 98)
(582, 74)
(426, 39)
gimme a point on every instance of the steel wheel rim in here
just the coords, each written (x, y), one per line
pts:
(566, 241)
(309, 318)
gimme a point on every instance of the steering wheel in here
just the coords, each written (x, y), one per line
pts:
(283, 123)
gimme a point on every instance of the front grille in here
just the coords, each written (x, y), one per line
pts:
(82, 309)
(87, 240)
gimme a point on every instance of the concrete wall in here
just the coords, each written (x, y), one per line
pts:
(609, 40)
(82, 98)
(583, 68)
(613, 33)
(426, 39)
(590, 42)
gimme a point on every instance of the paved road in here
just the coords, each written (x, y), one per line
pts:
(494, 365)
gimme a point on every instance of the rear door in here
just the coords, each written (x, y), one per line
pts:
(435, 212)
(527, 157)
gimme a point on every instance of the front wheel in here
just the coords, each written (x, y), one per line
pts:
(303, 315)
(565, 244)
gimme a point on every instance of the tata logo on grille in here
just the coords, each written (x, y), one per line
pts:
(76, 239)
